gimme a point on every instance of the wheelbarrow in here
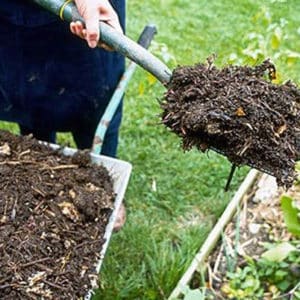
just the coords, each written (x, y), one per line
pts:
(119, 172)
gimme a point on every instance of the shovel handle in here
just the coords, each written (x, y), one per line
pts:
(118, 41)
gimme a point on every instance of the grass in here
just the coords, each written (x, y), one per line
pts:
(148, 257)
(174, 198)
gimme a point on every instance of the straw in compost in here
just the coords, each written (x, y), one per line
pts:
(238, 112)
(53, 214)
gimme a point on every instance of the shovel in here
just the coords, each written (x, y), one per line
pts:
(67, 11)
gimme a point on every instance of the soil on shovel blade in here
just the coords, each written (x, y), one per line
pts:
(239, 113)
(53, 214)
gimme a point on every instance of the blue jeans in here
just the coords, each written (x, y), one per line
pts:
(52, 81)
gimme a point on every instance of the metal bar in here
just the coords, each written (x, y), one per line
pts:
(111, 109)
(233, 167)
(144, 40)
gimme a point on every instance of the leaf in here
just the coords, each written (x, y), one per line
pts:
(276, 38)
(292, 54)
(283, 285)
(280, 274)
(151, 79)
(291, 57)
(279, 252)
(141, 89)
(297, 295)
(240, 112)
(194, 295)
(275, 42)
(278, 78)
(290, 215)
(281, 129)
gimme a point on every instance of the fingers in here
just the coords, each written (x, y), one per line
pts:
(78, 29)
(92, 12)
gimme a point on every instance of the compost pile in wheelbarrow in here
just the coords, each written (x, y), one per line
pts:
(237, 112)
(53, 214)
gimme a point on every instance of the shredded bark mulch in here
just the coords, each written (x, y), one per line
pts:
(239, 113)
(53, 214)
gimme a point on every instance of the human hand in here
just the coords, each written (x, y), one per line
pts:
(92, 12)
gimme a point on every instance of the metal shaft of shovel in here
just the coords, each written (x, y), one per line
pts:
(122, 44)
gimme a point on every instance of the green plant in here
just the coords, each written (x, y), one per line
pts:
(291, 212)
(291, 208)
(196, 294)
(271, 42)
(244, 283)
(232, 256)
(277, 273)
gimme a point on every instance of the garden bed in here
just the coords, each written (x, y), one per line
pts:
(56, 218)
(240, 266)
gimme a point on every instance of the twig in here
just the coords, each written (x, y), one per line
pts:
(5, 279)
(44, 166)
(217, 263)
(18, 162)
(64, 167)
(4, 286)
(39, 205)
(60, 273)
(13, 211)
(34, 262)
(54, 285)
(65, 260)
(38, 191)
(43, 267)
(210, 279)
(24, 153)
(86, 243)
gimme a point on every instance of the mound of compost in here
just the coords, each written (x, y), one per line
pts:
(53, 214)
(238, 112)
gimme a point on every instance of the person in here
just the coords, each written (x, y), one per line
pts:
(51, 81)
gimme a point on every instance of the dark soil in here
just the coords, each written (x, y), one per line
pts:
(239, 113)
(53, 214)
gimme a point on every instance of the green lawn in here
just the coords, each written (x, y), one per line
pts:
(174, 198)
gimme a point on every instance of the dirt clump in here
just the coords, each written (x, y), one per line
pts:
(53, 214)
(238, 112)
